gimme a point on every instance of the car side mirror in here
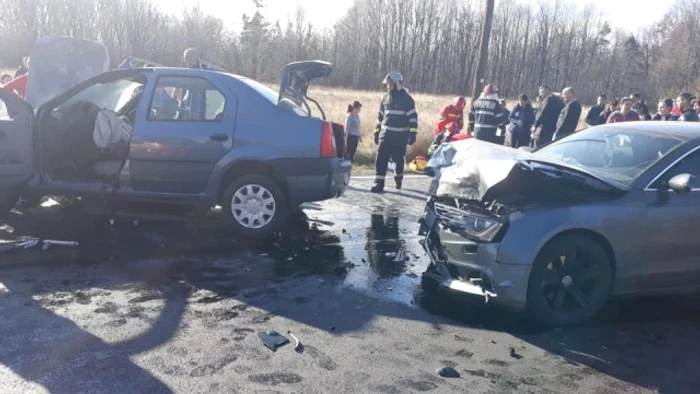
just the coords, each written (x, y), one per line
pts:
(525, 149)
(681, 183)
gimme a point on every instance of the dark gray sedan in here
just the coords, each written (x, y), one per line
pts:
(612, 210)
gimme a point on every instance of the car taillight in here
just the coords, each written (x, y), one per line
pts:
(328, 148)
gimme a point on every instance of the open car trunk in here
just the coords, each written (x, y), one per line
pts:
(296, 78)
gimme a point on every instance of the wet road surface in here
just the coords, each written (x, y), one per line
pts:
(164, 307)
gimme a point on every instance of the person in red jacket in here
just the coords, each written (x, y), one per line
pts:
(18, 86)
(452, 113)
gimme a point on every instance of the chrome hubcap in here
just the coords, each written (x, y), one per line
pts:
(253, 206)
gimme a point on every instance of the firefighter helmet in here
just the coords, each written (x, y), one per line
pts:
(459, 102)
(490, 89)
(394, 77)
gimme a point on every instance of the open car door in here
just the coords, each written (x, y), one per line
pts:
(60, 63)
(295, 82)
(16, 140)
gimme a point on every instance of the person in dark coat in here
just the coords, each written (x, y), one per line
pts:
(520, 120)
(486, 115)
(612, 106)
(593, 115)
(23, 68)
(685, 104)
(665, 111)
(640, 106)
(546, 119)
(505, 113)
(569, 116)
(397, 126)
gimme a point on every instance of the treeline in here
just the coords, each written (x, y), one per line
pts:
(432, 42)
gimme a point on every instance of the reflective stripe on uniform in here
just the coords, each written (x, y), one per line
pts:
(396, 129)
(485, 126)
(484, 113)
(379, 177)
(411, 112)
(395, 112)
(413, 121)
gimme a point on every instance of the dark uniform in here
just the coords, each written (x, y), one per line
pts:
(485, 117)
(397, 126)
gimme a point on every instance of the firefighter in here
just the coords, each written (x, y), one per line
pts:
(486, 115)
(397, 126)
(452, 113)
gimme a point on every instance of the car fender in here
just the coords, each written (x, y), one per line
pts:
(529, 232)
(253, 153)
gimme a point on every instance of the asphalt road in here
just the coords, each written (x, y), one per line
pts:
(159, 307)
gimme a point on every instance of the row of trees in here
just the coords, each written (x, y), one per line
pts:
(433, 42)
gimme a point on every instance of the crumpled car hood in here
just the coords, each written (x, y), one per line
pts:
(481, 171)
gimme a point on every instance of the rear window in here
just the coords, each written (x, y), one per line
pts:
(273, 96)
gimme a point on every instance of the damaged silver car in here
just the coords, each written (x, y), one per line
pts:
(612, 210)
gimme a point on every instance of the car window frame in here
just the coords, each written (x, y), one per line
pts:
(213, 85)
(64, 100)
(668, 168)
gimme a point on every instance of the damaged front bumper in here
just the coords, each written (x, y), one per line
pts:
(470, 266)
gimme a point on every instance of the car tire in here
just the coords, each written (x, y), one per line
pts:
(564, 294)
(255, 205)
(8, 200)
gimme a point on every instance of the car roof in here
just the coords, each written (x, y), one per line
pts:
(686, 130)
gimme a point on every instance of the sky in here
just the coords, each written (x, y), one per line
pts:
(324, 13)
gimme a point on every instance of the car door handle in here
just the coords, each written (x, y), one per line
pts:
(219, 137)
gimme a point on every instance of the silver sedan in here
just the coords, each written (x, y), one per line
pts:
(612, 210)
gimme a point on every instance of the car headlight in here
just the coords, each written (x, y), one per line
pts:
(469, 224)
(479, 227)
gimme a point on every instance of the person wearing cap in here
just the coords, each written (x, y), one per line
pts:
(397, 126)
(486, 115)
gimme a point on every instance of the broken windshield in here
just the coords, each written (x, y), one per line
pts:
(617, 155)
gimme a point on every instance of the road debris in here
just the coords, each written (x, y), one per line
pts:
(273, 340)
(9, 246)
(400, 257)
(514, 354)
(298, 347)
(448, 372)
(48, 243)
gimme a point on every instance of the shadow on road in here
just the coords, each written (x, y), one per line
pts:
(318, 270)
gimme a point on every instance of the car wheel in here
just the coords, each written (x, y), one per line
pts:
(255, 205)
(8, 200)
(571, 280)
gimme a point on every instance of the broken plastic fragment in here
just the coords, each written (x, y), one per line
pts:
(448, 372)
(273, 340)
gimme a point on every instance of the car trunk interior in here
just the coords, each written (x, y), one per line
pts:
(69, 135)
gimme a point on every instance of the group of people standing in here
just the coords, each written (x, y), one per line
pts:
(633, 108)
(489, 119)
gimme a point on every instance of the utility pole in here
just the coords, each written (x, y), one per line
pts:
(481, 61)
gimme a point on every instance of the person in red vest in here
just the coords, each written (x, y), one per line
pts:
(18, 86)
(452, 113)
